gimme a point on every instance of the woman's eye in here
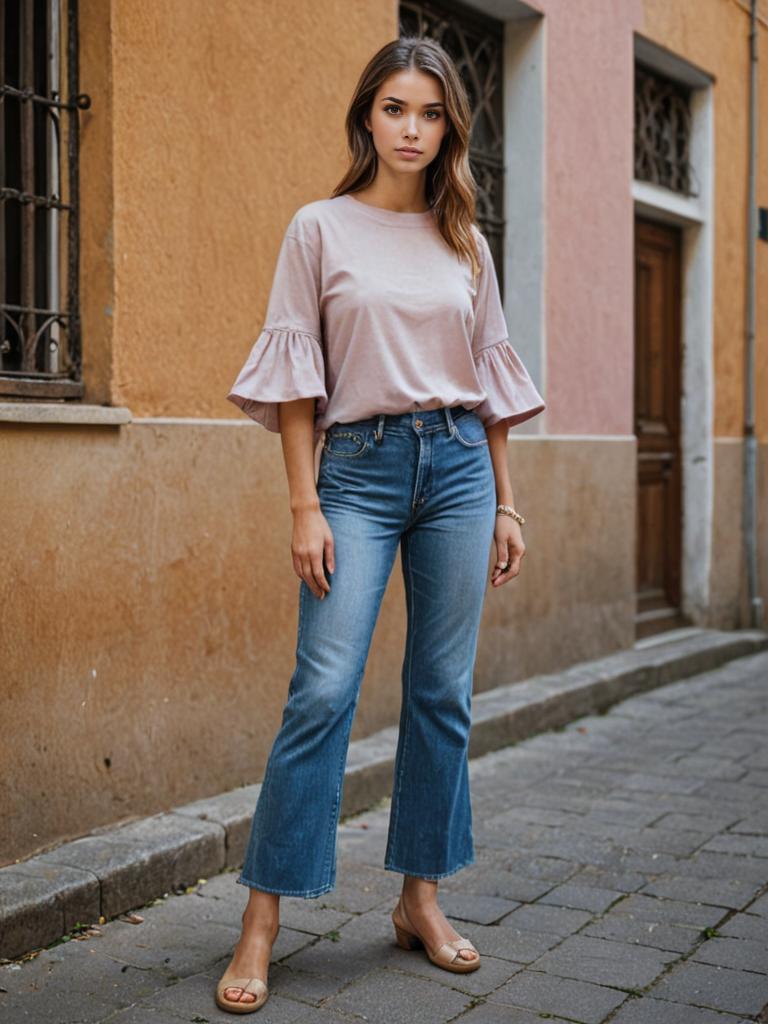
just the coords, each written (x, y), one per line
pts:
(394, 106)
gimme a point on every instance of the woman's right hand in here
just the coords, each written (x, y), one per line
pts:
(312, 541)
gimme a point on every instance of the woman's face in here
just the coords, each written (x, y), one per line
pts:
(408, 110)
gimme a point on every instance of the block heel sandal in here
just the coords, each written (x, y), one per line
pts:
(445, 956)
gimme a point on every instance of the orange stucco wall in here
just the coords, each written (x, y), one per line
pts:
(227, 118)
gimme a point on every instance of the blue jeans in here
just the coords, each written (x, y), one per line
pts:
(423, 481)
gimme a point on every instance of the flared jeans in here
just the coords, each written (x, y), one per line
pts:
(421, 481)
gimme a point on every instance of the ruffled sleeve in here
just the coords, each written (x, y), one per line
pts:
(510, 392)
(287, 359)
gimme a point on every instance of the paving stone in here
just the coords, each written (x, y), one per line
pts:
(717, 988)
(386, 997)
(71, 982)
(741, 954)
(480, 909)
(745, 926)
(605, 962)
(708, 823)
(576, 1000)
(676, 938)
(361, 887)
(662, 783)
(701, 766)
(293, 983)
(655, 1011)
(730, 893)
(705, 864)
(551, 869)
(656, 864)
(143, 1014)
(538, 816)
(570, 801)
(602, 879)
(581, 897)
(736, 794)
(660, 840)
(505, 885)
(754, 824)
(363, 943)
(581, 849)
(493, 1013)
(753, 846)
(519, 945)
(548, 919)
(658, 910)
(319, 1015)
(759, 906)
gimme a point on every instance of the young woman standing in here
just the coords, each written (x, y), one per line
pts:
(385, 335)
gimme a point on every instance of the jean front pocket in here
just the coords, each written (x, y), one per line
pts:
(346, 444)
(469, 430)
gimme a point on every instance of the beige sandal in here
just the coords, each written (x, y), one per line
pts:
(253, 985)
(446, 956)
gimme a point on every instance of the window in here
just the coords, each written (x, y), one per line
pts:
(663, 132)
(40, 353)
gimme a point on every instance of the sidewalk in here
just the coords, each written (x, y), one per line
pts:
(621, 875)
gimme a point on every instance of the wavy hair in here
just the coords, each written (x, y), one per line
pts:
(451, 189)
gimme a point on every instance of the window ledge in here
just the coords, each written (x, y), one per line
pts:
(73, 414)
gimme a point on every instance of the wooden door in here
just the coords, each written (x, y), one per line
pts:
(657, 426)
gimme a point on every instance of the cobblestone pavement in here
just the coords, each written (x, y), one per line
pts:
(621, 875)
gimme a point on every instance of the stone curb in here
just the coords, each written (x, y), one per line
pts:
(117, 868)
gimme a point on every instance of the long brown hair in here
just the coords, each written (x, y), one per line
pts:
(450, 186)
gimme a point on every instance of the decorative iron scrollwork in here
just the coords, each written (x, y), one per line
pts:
(663, 132)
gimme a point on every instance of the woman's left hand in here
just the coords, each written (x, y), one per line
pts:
(510, 549)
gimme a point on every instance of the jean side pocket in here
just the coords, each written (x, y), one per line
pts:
(346, 444)
(469, 430)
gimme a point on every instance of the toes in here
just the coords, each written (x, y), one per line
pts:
(467, 954)
(241, 995)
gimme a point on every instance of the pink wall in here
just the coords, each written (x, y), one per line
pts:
(589, 215)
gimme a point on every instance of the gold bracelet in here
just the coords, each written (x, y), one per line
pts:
(507, 510)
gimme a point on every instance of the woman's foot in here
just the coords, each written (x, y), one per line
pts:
(261, 924)
(419, 900)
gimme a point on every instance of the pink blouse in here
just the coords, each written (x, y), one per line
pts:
(371, 311)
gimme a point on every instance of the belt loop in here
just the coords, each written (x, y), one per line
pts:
(449, 421)
(380, 428)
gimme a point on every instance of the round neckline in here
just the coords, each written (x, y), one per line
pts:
(385, 216)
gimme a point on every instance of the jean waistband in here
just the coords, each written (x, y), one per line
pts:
(421, 421)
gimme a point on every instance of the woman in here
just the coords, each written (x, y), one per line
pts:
(384, 334)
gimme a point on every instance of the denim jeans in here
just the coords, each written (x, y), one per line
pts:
(422, 481)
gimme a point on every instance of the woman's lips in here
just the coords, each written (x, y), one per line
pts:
(409, 152)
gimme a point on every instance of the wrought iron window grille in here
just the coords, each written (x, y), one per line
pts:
(40, 330)
(663, 123)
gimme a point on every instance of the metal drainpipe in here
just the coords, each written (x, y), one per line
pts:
(749, 518)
